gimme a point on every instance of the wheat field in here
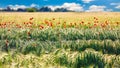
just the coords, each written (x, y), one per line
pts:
(60, 40)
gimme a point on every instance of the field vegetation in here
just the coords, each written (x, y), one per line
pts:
(60, 40)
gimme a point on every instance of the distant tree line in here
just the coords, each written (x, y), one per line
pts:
(33, 9)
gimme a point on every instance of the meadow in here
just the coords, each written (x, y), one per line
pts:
(60, 40)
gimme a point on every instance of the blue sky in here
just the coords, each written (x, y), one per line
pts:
(77, 5)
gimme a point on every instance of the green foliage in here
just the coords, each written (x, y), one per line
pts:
(31, 9)
(69, 47)
(60, 34)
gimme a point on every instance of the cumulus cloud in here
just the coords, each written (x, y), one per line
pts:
(69, 6)
(15, 7)
(87, 1)
(95, 8)
(109, 10)
(1, 8)
(73, 6)
(114, 3)
(117, 5)
(54, 7)
(34, 5)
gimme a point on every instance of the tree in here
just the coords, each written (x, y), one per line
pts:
(31, 9)
(21, 10)
(45, 9)
(61, 10)
(8, 9)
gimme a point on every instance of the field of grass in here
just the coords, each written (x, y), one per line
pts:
(60, 40)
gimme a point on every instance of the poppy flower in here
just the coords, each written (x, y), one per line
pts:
(46, 22)
(117, 23)
(102, 25)
(50, 24)
(8, 29)
(88, 22)
(41, 27)
(28, 33)
(94, 17)
(90, 27)
(58, 22)
(95, 24)
(75, 24)
(82, 22)
(53, 18)
(30, 22)
(106, 22)
(31, 18)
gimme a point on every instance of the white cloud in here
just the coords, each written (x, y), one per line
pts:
(73, 6)
(114, 3)
(1, 8)
(54, 7)
(117, 5)
(87, 1)
(34, 5)
(109, 10)
(15, 7)
(95, 8)
(69, 6)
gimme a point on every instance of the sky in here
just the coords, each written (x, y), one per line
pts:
(75, 5)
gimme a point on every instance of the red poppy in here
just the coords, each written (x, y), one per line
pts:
(58, 22)
(95, 24)
(82, 22)
(5, 24)
(117, 23)
(46, 22)
(19, 26)
(24, 23)
(94, 17)
(28, 33)
(8, 29)
(106, 22)
(53, 18)
(30, 22)
(31, 18)
(41, 27)
(90, 27)
(88, 22)
(50, 24)
(103, 25)
(75, 24)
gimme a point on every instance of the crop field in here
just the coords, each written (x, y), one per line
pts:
(60, 40)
